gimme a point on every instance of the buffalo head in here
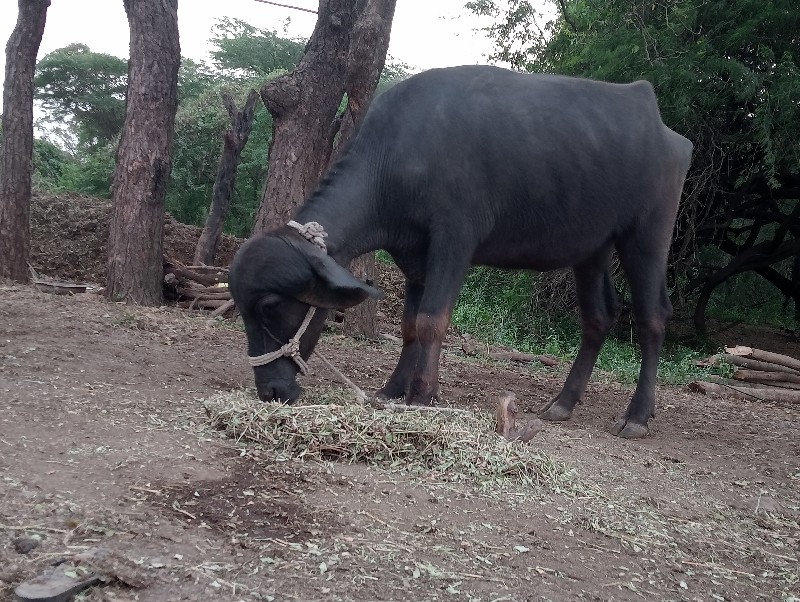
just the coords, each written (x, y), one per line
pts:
(274, 280)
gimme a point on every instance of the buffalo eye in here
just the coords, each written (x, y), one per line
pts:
(268, 304)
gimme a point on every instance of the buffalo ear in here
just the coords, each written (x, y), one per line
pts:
(334, 287)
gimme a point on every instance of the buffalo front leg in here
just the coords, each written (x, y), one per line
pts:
(397, 385)
(598, 303)
(446, 269)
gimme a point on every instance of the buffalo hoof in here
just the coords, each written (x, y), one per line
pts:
(628, 429)
(555, 412)
(387, 394)
(422, 400)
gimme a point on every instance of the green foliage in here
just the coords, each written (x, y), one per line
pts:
(193, 79)
(85, 89)
(92, 173)
(500, 307)
(244, 52)
(49, 164)
(745, 299)
(199, 126)
(83, 94)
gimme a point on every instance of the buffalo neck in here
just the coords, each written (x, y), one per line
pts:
(346, 205)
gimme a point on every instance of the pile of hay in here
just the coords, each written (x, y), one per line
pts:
(453, 447)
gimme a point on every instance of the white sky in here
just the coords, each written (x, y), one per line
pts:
(425, 33)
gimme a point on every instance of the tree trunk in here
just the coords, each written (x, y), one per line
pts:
(135, 269)
(16, 148)
(346, 53)
(234, 142)
(368, 47)
(303, 104)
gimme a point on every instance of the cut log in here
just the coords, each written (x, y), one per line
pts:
(751, 393)
(764, 356)
(228, 305)
(205, 275)
(517, 356)
(779, 379)
(757, 364)
(204, 294)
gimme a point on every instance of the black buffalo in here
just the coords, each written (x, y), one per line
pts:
(478, 165)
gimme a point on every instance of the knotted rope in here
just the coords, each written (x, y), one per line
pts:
(290, 349)
(314, 233)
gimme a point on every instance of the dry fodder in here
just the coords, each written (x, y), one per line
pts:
(69, 232)
(459, 447)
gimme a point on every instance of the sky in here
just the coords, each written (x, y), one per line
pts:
(425, 33)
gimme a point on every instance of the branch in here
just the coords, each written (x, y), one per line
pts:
(562, 4)
(307, 10)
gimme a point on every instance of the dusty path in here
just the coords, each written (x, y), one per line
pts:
(104, 442)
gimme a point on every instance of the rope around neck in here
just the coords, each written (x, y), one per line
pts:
(290, 349)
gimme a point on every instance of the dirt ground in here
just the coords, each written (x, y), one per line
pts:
(104, 443)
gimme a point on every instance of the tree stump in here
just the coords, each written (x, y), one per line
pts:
(506, 415)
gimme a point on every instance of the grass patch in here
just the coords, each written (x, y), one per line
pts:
(453, 448)
(505, 308)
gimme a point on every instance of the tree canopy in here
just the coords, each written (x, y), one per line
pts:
(85, 89)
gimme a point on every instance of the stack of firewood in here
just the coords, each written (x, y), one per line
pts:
(758, 374)
(197, 286)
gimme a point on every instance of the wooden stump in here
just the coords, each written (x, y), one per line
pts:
(506, 415)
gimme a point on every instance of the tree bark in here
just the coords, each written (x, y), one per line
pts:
(135, 269)
(303, 105)
(16, 148)
(366, 57)
(234, 142)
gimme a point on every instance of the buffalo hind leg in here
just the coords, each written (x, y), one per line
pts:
(646, 272)
(397, 385)
(598, 304)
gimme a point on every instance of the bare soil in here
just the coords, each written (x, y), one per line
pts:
(104, 443)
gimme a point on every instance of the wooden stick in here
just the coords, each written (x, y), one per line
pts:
(517, 356)
(223, 308)
(389, 406)
(361, 397)
(764, 356)
(203, 294)
(202, 303)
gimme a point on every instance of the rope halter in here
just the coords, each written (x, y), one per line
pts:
(290, 349)
(315, 234)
